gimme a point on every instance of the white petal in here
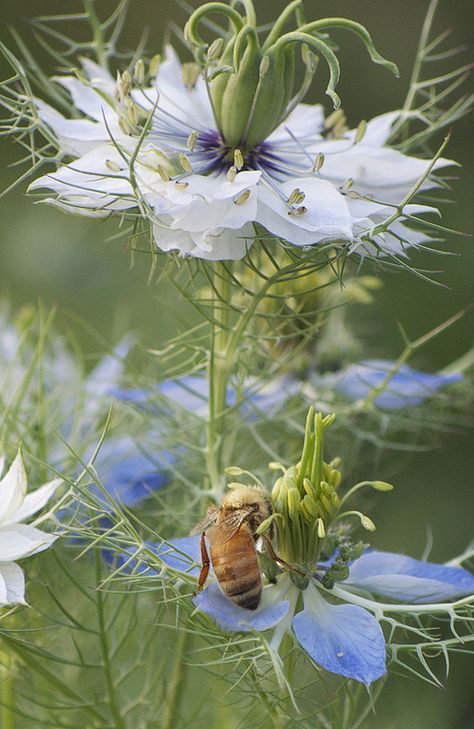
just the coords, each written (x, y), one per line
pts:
(383, 172)
(98, 75)
(12, 489)
(327, 215)
(85, 98)
(2, 465)
(34, 501)
(21, 540)
(12, 584)
(307, 120)
(76, 136)
(213, 245)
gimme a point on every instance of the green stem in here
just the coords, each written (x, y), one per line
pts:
(97, 34)
(174, 689)
(119, 722)
(218, 373)
(7, 692)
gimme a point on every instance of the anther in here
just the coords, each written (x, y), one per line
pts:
(334, 118)
(215, 49)
(347, 185)
(231, 174)
(192, 139)
(154, 65)
(242, 198)
(191, 73)
(321, 529)
(139, 72)
(185, 163)
(124, 126)
(296, 197)
(163, 173)
(112, 165)
(318, 162)
(361, 130)
(297, 212)
(238, 159)
(181, 185)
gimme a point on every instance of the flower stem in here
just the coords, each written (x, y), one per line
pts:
(175, 687)
(218, 375)
(98, 36)
(7, 692)
(119, 722)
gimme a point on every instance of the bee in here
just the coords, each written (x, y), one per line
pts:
(231, 530)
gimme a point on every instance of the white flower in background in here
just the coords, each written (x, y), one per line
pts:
(17, 539)
(204, 161)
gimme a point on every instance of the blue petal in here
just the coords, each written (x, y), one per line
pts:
(109, 370)
(229, 616)
(343, 639)
(409, 580)
(179, 554)
(406, 388)
(129, 474)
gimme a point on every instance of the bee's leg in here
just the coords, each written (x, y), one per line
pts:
(276, 558)
(205, 563)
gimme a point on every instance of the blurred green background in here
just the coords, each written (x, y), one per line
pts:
(48, 257)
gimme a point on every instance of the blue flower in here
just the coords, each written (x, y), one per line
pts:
(128, 473)
(405, 388)
(343, 637)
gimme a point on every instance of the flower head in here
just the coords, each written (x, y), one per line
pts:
(205, 151)
(17, 539)
(328, 591)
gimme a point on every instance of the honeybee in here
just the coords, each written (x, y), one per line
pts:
(231, 532)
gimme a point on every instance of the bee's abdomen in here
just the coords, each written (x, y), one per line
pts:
(236, 568)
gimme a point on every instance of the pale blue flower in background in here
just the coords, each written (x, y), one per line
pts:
(343, 638)
(405, 386)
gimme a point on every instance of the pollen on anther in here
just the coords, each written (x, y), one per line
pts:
(297, 212)
(238, 159)
(242, 198)
(112, 165)
(231, 174)
(185, 163)
(163, 173)
(192, 139)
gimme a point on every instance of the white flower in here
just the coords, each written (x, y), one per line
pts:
(17, 539)
(158, 150)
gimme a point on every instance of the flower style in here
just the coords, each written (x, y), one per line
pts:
(205, 151)
(343, 597)
(17, 539)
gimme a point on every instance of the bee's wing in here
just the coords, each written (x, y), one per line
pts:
(233, 522)
(208, 520)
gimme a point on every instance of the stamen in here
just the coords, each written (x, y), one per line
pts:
(318, 162)
(192, 139)
(334, 118)
(347, 185)
(181, 185)
(238, 159)
(191, 73)
(231, 174)
(139, 72)
(297, 212)
(296, 197)
(163, 173)
(112, 165)
(361, 130)
(215, 49)
(154, 65)
(185, 163)
(124, 126)
(241, 199)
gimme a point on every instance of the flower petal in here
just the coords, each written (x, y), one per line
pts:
(12, 490)
(327, 216)
(406, 579)
(35, 501)
(219, 244)
(12, 584)
(406, 388)
(21, 540)
(229, 616)
(181, 554)
(343, 639)
(85, 98)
